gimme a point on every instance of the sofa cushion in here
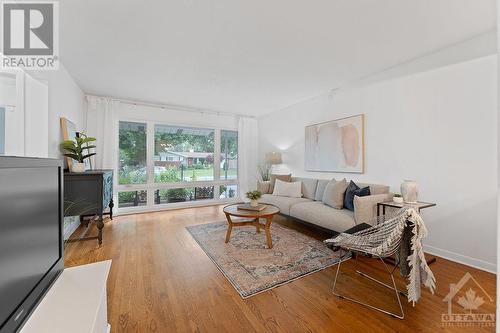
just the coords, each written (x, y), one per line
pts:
(375, 188)
(320, 189)
(285, 178)
(288, 189)
(365, 208)
(308, 186)
(354, 190)
(334, 193)
(316, 212)
(283, 203)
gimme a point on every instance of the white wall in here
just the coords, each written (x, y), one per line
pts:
(438, 127)
(14, 114)
(66, 99)
(36, 117)
(177, 117)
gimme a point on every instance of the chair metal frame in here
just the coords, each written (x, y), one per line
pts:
(393, 287)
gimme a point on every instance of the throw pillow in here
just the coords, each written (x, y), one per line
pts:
(320, 189)
(286, 189)
(334, 193)
(353, 190)
(285, 178)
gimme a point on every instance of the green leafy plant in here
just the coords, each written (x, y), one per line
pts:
(78, 149)
(176, 194)
(254, 195)
(397, 195)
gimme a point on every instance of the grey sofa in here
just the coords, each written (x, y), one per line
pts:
(311, 209)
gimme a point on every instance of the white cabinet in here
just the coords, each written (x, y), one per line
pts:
(76, 303)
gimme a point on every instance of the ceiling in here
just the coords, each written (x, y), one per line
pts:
(255, 56)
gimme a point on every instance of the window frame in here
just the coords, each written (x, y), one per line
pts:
(150, 186)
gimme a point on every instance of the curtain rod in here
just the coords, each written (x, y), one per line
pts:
(173, 107)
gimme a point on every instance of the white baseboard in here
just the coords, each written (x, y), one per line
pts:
(469, 261)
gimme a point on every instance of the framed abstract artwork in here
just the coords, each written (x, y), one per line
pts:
(336, 145)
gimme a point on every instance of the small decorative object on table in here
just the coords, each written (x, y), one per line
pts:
(246, 206)
(254, 197)
(397, 198)
(78, 150)
(409, 190)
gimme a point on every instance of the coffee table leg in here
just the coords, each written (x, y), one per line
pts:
(268, 232)
(229, 227)
(257, 225)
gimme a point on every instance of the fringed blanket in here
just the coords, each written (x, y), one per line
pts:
(385, 238)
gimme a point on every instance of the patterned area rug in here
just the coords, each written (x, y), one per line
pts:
(253, 268)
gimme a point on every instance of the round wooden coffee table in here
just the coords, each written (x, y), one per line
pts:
(253, 216)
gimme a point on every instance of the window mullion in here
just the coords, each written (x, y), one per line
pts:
(217, 153)
(150, 144)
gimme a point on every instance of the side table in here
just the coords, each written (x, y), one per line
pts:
(381, 206)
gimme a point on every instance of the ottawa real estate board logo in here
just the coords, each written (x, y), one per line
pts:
(465, 301)
(30, 35)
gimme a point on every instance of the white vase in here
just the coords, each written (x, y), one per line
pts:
(254, 203)
(77, 167)
(409, 190)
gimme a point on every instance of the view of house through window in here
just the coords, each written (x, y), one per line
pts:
(186, 164)
(183, 154)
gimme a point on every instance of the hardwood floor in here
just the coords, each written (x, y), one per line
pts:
(162, 281)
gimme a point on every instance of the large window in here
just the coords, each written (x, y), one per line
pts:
(229, 155)
(184, 194)
(132, 166)
(162, 164)
(183, 154)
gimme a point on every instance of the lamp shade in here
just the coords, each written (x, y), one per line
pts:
(274, 158)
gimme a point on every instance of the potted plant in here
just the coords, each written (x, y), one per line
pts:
(397, 198)
(78, 149)
(254, 197)
(265, 172)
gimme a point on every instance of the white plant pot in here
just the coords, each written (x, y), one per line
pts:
(77, 167)
(254, 203)
(398, 200)
(409, 190)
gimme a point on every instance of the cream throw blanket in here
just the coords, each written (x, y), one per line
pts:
(384, 239)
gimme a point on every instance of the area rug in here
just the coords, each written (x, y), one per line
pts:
(253, 268)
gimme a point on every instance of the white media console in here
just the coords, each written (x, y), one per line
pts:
(75, 303)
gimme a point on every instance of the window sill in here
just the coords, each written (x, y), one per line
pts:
(173, 206)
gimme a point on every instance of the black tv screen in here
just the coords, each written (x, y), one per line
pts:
(30, 235)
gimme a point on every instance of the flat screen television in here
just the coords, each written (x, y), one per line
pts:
(31, 235)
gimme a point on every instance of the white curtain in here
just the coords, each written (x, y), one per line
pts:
(102, 123)
(248, 148)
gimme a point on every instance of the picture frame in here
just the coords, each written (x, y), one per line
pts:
(336, 145)
(68, 129)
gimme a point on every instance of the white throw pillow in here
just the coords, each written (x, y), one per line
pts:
(286, 189)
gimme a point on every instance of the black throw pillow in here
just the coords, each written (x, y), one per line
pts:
(351, 191)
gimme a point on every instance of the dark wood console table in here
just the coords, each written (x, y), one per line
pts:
(89, 193)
